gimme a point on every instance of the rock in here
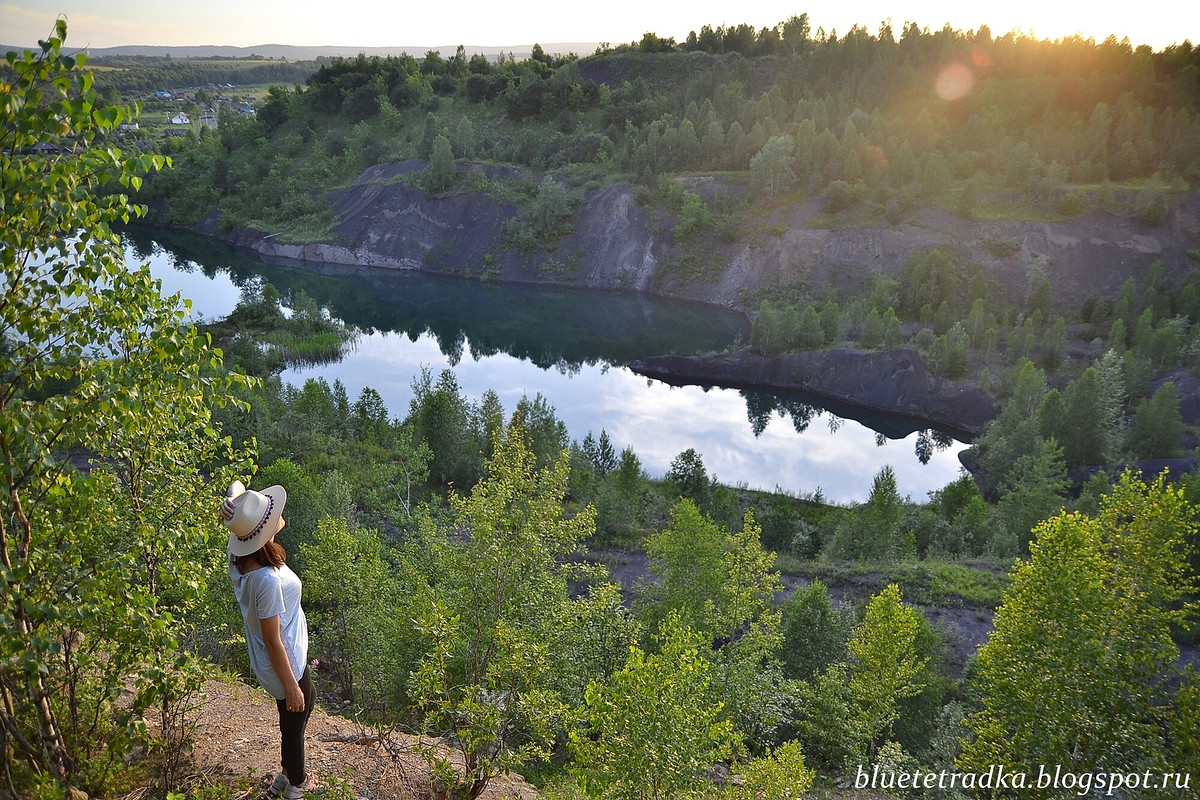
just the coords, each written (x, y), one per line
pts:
(387, 221)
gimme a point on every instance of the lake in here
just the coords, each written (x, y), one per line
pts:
(571, 346)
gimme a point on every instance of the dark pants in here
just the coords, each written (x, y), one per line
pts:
(291, 729)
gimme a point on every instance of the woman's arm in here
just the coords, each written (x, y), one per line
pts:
(279, 660)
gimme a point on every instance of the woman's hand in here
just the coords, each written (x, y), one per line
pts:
(295, 697)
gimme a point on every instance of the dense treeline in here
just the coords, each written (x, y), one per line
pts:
(870, 121)
(133, 76)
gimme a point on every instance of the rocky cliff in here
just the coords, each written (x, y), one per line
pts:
(619, 244)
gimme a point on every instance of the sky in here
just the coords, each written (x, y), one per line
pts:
(390, 23)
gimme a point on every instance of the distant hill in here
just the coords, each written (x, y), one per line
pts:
(301, 53)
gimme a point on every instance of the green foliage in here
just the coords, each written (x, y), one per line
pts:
(1151, 205)
(814, 634)
(490, 616)
(100, 566)
(875, 532)
(722, 585)
(1014, 433)
(366, 649)
(728, 100)
(1078, 669)
(1032, 490)
(1157, 426)
(826, 726)
(546, 216)
(442, 420)
(771, 168)
(715, 580)
(259, 339)
(950, 352)
(781, 773)
(689, 478)
(839, 196)
(845, 712)
(545, 434)
(886, 666)
(439, 175)
(655, 729)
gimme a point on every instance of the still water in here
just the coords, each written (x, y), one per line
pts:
(570, 346)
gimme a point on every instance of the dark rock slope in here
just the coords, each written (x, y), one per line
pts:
(894, 382)
(619, 244)
(384, 222)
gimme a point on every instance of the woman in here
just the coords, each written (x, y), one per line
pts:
(276, 629)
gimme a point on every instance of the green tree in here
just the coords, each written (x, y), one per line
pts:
(690, 479)
(1079, 669)
(780, 774)
(872, 331)
(1015, 432)
(547, 215)
(814, 633)
(99, 566)
(771, 168)
(766, 333)
(1111, 400)
(656, 728)
(950, 352)
(429, 133)
(688, 558)
(439, 175)
(464, 138)
(875, 531)
(722, 585)
(886, 667)
(546, 434)
(1157, 425)
(358, 638)
(1033, 489)
(494, 604)
(441, 419)
(1082, 438)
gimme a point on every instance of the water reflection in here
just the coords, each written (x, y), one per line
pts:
(552, 328)
(761, 407)
(571, 347)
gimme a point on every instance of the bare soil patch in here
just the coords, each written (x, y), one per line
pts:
(237, 746)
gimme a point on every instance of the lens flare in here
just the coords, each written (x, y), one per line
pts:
(954, 82)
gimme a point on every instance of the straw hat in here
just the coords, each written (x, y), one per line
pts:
(252, 517)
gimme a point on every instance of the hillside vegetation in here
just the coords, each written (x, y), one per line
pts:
(444, 550)
(879, 122)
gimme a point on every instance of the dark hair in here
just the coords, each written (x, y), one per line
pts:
(270, 554)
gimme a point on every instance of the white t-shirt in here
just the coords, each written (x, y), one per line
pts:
(264, 593)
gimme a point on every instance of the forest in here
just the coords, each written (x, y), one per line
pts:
(1013, 123)
(480, 609)
(134, 76)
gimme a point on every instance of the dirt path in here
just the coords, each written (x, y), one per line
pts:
(237, 745)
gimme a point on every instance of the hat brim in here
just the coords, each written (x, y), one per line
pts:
(239, 547)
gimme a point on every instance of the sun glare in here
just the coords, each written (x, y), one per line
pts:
(954, 82)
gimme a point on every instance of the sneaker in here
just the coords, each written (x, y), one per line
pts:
(278, 785)
(297, 792)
